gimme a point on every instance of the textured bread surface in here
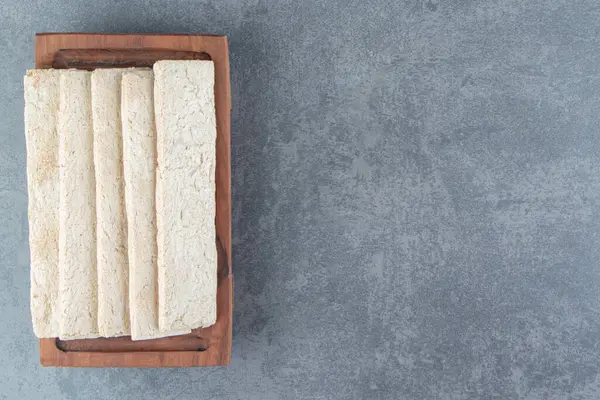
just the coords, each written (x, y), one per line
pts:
(78, 289)
(41, 88)
(185, 193)
(111, 222)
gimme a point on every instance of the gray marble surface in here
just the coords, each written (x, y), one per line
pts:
(416, 199)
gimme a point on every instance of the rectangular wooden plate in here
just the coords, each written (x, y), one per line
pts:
(203, 347)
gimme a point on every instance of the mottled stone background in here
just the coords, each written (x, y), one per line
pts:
(416, 199)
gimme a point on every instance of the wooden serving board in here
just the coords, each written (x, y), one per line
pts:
(203, 347)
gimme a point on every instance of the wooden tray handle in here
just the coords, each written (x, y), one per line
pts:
(119, 58)
(118, 345)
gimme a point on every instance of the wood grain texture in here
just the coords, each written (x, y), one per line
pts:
(203, 347)
(119, 58)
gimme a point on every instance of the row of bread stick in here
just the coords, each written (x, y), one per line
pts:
(121, 175)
